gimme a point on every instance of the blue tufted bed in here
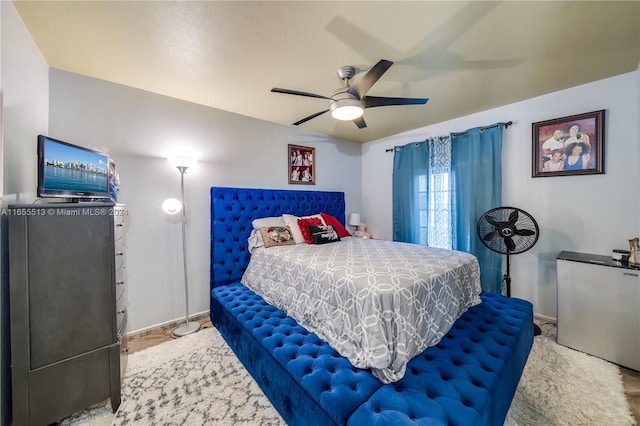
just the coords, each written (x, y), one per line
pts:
(468, 378)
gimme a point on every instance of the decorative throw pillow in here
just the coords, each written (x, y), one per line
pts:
(304, 225)
(323, 234)
(292, 222)
(276, 236)
(331, 220)
(255, 238)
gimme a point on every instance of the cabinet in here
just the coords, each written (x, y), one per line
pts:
(67, 307)
(599, 307)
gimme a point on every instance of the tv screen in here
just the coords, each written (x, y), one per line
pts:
(70, 171)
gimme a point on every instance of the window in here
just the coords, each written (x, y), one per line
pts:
(434, 205)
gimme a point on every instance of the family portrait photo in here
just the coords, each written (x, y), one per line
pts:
(572, 145)
(302, 164)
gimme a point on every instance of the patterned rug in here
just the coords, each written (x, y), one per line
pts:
(197, 380)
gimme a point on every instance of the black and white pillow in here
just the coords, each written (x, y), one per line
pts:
(323, 234)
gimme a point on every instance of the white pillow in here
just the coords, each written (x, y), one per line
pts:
(268, 221)
(255, 240)
(292, 222)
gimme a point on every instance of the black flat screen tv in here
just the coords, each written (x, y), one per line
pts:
(71, 171)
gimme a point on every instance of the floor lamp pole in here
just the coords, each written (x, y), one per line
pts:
(189, 326)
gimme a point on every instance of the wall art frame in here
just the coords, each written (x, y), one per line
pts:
(302, 164)
(572, 145)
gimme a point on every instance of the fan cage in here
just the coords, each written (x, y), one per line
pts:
(502, 214)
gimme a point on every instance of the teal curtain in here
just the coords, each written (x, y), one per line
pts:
(409, 161)
(476, 165)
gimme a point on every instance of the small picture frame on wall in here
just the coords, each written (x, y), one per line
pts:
(302, 164)
(572, 145)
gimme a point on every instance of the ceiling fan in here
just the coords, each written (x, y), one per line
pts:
(349, 101)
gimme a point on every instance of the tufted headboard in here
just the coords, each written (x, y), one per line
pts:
(233, 209)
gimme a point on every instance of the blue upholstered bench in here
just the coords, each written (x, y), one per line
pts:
(469, 378)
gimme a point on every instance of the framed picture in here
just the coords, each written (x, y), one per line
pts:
(572, 145)
(302, 164)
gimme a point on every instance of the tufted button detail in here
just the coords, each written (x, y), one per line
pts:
(323, 372)
(456, 376)
(458, 368)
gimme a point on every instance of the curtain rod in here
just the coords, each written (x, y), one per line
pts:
(507, 124)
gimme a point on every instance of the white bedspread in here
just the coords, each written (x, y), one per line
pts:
(378, 303)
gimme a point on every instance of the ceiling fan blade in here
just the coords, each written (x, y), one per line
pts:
(508, 241)
(491, 235)
(525, 232)
(296, 92)
(513, 218)
(376, 101)
(360, 122)
(304, 120)
(364, 83)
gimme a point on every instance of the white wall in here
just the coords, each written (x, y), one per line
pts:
(591, 214)
(140, 129)
(25, 85)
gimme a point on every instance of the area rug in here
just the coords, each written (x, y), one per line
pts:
(197, 380)
(560, 386)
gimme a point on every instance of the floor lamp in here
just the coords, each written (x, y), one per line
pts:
(188, 327)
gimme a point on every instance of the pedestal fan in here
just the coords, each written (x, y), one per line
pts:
(508, 231)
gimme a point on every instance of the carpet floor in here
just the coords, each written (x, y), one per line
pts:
(197, 380)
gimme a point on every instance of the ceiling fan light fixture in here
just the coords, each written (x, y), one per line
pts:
(347, 109)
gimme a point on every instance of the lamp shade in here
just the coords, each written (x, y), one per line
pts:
(347, 112)
(182, 161)
(347, 109)
(354, 219)
(345, 106)
(171, 206)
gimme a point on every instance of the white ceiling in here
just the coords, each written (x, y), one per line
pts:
(465, 57)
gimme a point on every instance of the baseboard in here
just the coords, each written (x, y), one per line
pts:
(545, 318)
(205, 315)
(165, 325)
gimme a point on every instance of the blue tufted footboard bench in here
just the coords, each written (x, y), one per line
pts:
(468, 378)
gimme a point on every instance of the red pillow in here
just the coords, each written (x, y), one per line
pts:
(304, 224)
(330, 220)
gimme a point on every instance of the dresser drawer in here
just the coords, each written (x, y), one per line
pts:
(121, 311)
(123, 340)
(121, 285)
(120, 259)
(120, 222)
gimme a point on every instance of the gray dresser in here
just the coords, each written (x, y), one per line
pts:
(67, 307)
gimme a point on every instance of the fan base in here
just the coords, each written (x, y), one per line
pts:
(346, 73)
